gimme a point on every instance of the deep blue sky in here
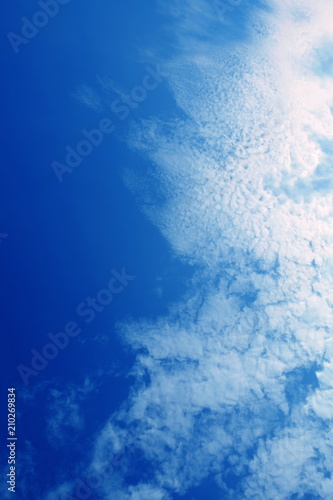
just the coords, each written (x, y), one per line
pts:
(64, 239)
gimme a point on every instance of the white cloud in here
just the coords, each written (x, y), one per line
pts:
(212, 376)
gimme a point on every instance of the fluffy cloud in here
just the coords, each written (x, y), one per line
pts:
(237, 380)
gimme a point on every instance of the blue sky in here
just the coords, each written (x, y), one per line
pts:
(183, 265)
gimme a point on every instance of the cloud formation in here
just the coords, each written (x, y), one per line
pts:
(236, 381)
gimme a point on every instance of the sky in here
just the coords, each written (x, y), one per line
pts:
(166, 240)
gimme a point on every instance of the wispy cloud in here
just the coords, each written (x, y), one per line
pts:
(89, 97)
(65, 416)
